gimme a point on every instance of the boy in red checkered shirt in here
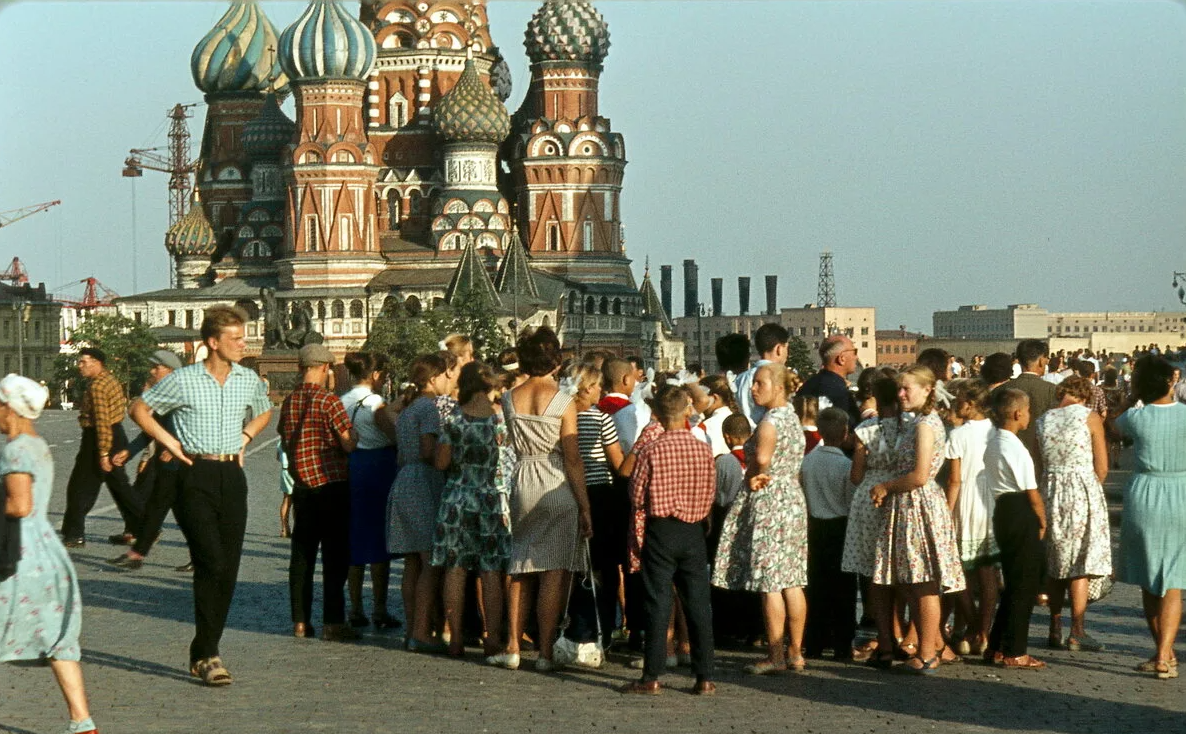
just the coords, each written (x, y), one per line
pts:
(672, 490)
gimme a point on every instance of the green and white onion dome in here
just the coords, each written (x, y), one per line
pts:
(192, 236)
(567, 30)
(327, 42)
(470, 112)
(238, 54)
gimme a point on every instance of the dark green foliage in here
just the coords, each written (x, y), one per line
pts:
(127, 344)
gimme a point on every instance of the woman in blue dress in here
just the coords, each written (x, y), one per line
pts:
(1153, 530)
(40, 606)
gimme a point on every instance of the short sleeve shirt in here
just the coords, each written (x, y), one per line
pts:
(311, 420)
(1008, 466)
(209, 417)
(595, 432)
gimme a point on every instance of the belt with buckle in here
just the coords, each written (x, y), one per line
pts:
(217, 457)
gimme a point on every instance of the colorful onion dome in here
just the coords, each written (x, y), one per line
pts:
(567, 30)
(470, 112)
(265, 136)
(327, 42)
(192, 236)
(238, 54)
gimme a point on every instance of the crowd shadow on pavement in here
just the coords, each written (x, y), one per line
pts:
(132, 665)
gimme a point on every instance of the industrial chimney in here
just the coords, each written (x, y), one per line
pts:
(743, 294)
(691, 288)
(771, 295)
(665, 288)
(718, 292)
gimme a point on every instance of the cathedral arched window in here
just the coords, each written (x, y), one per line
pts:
(572, 302)
(356, 309)
(553, 237)
(397, 110)
(617, 307)
(346, 233)
(590, 305)
(393, 212)
(587, 236)
(604, 305)
(321, 310)
(414, 202)
(338, 310)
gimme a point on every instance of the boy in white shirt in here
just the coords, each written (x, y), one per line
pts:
(1019, 524)
(831, 593)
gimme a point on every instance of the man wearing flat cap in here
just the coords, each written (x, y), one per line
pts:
(316, 435)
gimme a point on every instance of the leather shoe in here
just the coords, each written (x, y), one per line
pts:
(127, 563)
(74, 542)
(303, 629)
(642, 687)
(122, 539)
(704, 688)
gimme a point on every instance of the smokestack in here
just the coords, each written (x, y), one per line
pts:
(743, 294)
(691, 288)
(718, 291)
(665, 288)
(771, 295)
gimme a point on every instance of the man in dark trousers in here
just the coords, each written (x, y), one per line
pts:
(100, 415)
(209, 402)
(316, 435)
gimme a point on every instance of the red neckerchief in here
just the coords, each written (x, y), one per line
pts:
(611, 404)
(740, 454)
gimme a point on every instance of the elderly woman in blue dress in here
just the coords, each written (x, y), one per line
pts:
(1153, 531)
(40, 607)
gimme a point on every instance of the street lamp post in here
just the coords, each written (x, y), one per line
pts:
(22, 310)
(1180, 284)
(700, 313)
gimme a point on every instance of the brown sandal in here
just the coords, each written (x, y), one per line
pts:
(212, 672)
(1023, 662)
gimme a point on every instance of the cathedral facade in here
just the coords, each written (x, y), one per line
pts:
(404, 180)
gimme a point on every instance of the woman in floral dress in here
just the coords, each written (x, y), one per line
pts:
(40, 606)
(1078, 541)
(472, 532)
(916, 549)
(763, 544)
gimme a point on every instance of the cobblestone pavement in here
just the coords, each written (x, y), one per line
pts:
(137, 626)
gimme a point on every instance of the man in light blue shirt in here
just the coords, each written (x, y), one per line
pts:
(771, 342)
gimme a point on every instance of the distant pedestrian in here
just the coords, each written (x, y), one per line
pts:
(210, 401)
(101, 417)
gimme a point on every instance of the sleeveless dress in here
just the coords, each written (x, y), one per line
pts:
(544, 512)
(1153, 531)
(917, 542)
(40, 606)
(471, 530)
(880, 438)
(1078, 541)
(763, 545)
(974, 508)
(416, 493)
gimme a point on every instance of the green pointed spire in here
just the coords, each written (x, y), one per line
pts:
(514, 272)
(471, 277)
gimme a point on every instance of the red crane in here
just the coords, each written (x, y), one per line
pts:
(95, 294)
(16, 273)
(16, 215)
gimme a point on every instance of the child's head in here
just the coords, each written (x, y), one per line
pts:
(720, 391)
(460, 346)
(885, 394)
(832, 425)
(733, 352)
(428, 373)
(916, 389)
(807, 408)
(671, 406)
(735, 429)
(477, 378)
(971, 398)
(619, 376)
(1010, 410)
(587, 380)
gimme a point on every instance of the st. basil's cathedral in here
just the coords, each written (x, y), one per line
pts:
(404, 181)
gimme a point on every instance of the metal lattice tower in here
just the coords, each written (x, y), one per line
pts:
(826, 293)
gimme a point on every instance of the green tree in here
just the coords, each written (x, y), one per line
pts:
(799, 358)
(127, 344)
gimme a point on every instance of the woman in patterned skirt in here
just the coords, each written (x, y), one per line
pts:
(916, 549)
(40, 607)
(1078, 541)
(763, 544)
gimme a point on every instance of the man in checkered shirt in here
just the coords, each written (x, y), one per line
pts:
(672, 490)
(210, 402)
(316, 436)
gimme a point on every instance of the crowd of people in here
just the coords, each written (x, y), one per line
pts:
(577, 502)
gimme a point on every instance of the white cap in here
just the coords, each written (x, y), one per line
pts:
(23, 395)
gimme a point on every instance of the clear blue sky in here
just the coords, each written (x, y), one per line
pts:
(946, 152)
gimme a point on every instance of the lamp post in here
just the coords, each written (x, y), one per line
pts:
(1180, 284)
(701, 310)
(23, 310)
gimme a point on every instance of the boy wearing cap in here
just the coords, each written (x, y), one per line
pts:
(316, 435)
(209, 401)
(160, 473)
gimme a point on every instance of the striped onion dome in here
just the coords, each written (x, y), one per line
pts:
(265, 136)
(238, 54)
(192, 236)
(326, 42)
(567, 30)
(470, 112)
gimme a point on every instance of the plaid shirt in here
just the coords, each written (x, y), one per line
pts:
(1098, 402)
(103, 405)
(209, 417)
(311, 418)
(674, 477)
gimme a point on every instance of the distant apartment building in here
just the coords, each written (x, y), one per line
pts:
(1085, 323)
(30, 336)
(897, 346)
(1017, 321)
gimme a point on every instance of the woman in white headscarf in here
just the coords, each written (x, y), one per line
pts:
(40, 606)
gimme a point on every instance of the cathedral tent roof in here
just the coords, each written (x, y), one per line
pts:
(514, 272)
(471, 277)
(652, 306)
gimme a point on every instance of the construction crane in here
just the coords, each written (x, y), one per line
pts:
(16, 215)
(175, 162)
(93, 295)
(16, 273)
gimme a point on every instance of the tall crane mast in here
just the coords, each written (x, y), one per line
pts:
(177, 163)
(16, 273)
(16, 215)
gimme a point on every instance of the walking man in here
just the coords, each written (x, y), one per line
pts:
(100, 415)
(209, 402)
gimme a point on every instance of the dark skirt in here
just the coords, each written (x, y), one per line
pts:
(372, 472)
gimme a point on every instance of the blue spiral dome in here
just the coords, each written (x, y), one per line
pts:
(327, 42)
(238, 55)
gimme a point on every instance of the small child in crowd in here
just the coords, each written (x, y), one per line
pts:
(672, 490)
(807, 410)
(1019, 524)
(734, 615)
(831, 593)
